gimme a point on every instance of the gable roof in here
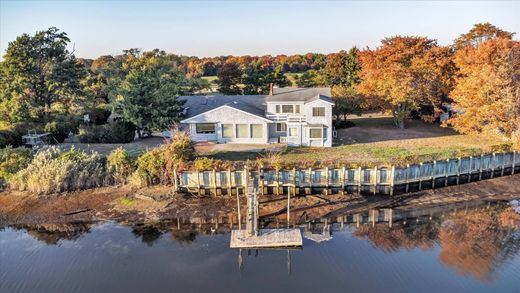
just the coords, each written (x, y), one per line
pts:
(253, 104)
(237, 106)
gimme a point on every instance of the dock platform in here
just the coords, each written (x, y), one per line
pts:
(267, 238)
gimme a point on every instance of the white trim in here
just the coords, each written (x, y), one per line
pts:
(320, 100)
(227, 106)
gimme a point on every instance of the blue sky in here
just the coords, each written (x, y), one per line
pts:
(204, 28)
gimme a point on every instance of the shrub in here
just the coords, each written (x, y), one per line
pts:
(53, 170)
(120, 165)
(158, 165)
(149, 168)
(99, 115)
(206, 164)
(90, 133)
(12, 161)
(58, 130)
(117, 132)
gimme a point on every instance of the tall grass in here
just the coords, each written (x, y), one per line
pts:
(53, 170)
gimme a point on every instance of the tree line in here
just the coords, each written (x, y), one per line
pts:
(478, 75)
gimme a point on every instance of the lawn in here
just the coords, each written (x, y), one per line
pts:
(375, 141)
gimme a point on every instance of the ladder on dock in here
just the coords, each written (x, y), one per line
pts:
(253, 237)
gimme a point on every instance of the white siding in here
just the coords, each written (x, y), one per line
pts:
(326, 120)
(227, 115)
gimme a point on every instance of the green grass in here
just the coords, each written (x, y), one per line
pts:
(126, 201)
(211, 78)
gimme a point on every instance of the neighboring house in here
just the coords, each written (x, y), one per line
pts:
(296, 116)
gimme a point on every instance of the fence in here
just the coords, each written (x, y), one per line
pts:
(377, 180)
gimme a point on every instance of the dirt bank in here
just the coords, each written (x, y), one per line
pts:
(157, 203)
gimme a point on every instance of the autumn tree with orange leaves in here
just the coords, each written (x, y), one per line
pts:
(487, 92)
(406, 72)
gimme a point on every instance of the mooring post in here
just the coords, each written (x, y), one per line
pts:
(326, 180)
(229, 190)
(343, 180)
(480, 167)
(446, 170)
(392, 180)
(433, 173)
(503, 163)
(458, 169)
(175, 181)
(214, 182)
(198, 183)
(359, 180)
(277, 182)
(420, 177)
(238, 212)
(374, 180)
(288, 207)
(470, 168)
(514, 163)
(294, 181)
(406, 176)
(493, 165)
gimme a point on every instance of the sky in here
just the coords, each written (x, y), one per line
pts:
(214, 28)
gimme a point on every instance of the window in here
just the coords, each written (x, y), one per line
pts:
(277, 108)
(281, 127)
(297, 109)
(318, 111)
(256, 131)
(287, 109)
(227, 130)
(242, 131)
(315, 132)
(205, 128)
(293, 131)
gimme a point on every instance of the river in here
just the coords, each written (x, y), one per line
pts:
(467, 247)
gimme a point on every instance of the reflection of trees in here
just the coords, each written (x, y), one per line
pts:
(473, 242)
(477, 242)
(149, 234)
(52, 233)
(185, 236)
(390, 239)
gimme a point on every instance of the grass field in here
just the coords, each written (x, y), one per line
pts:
(375, 141)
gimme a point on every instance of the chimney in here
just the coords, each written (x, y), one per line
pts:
(271, 89)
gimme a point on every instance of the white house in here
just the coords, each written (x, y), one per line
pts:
(296, 116)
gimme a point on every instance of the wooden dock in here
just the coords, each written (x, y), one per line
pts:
(267, 238)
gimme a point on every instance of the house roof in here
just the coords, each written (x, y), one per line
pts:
(289, 94)
(253, 104)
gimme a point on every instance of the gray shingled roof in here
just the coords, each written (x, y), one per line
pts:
(254, 104)
(297, 94)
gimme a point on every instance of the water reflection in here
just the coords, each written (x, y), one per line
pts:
(474, 239)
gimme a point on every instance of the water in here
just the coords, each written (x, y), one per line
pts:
(473, 247)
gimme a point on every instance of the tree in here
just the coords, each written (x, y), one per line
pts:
(487, 93)
(406, 72)
(342, 69)
(37, 72)
(229, 79)
(311, 78)
(481, 32)
(347, 101)
(147, 95)
(258, 80)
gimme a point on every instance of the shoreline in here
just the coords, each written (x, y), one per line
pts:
(125, 204)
